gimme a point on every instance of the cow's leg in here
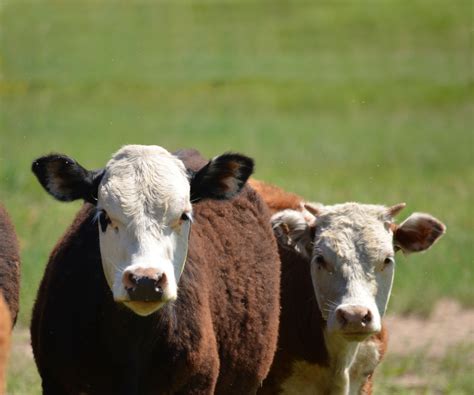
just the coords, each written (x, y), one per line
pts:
(199, 385)
(204, 378)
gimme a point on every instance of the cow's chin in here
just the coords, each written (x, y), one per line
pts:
(144, 309)
(357, 337)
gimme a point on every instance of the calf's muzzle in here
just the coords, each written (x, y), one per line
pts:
(352, 319)
(146, 285)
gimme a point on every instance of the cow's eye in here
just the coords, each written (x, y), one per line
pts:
(186, 217)
(320, 261)
(104, 220)
(389, 261)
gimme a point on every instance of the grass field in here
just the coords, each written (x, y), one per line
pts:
(346, 100)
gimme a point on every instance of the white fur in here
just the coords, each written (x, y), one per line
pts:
(144, 191)
(351, 364)
(365, 362)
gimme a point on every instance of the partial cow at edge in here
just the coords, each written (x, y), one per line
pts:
(337, 273)
(9, 264)
(166, 282)
(5, 334)
(9, 289)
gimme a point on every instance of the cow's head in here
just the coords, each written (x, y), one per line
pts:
(144, 199)
(351, 249)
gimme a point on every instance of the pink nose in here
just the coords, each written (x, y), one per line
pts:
(144, 285)
(356, 319)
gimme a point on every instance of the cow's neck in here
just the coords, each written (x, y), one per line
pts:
(341, 357)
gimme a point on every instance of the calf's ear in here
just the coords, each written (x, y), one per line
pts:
(294, 230)
(418, 232)
(65, 179)
(222, 178)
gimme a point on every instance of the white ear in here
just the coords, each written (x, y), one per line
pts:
(418, 232)
(294, 230)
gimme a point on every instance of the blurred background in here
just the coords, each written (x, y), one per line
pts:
(368, 101)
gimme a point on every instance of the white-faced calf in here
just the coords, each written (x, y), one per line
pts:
(351, 252)
(201, 300)
(338, 266)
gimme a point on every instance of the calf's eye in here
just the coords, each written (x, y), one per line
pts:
(389, 261)
(320, 261)
(186, 217)
(104, 220)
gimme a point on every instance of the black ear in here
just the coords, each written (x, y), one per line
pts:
(65, 179)
(222, 178)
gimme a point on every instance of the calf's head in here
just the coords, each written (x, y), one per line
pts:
(351, 249)
(144, 199)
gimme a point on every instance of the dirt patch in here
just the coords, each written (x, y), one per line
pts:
(447, 326)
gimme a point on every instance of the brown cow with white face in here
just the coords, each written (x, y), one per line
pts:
(348, 251)
(137, 300)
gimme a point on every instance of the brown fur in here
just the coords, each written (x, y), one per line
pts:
(424, 236)
(5, 332)
(276, 198)
(218, 337)
(9, 264)
(301, 323)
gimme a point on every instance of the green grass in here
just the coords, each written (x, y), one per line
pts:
(23, 378)
(422, 375)
(345, 100)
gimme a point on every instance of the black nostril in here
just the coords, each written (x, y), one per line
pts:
(158, 288)
(130, 280)
(367, 319)
(341, 317)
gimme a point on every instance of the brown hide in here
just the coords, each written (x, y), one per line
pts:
(219, 336)
(301, 323)
(276, 198)
(9, 264)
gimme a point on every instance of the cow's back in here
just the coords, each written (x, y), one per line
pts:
(9, 264)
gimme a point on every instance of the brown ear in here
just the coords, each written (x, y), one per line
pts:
(418, 232)
(293, 231)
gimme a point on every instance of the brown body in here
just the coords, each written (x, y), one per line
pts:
(5, 332)
(301, 342)
(9, 264)
(219, 336)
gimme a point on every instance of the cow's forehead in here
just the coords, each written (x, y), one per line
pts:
(144, 179)
(352, 228)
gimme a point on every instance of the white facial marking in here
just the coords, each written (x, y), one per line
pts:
(144, 193)
(351, 272)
